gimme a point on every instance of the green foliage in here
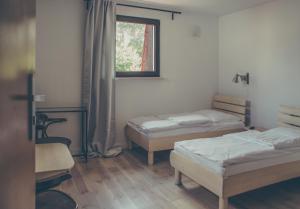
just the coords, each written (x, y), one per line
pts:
(129, 46)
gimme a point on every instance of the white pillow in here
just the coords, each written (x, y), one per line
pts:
(218, 116)
(191, 119)
(159, 125)
(281, 137)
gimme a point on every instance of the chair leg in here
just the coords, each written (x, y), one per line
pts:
(57, 198)
(48, 184)
(223, 203)
(178, 177)
(150, 158)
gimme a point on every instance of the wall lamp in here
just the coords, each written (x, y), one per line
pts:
(243, 78)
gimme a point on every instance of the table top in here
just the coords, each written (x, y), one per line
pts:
(60, 109)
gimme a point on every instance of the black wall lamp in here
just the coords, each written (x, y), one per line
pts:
(243, 78)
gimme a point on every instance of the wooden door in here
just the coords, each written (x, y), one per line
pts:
(17, 50)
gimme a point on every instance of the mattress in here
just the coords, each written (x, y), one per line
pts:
(220, 126)
(262, 160)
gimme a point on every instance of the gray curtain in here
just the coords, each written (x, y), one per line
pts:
(98, 86)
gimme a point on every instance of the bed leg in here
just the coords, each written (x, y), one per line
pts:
(223, 203)
(178, 177)
(150, 158)
(129, 144)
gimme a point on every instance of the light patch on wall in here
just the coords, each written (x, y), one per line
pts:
(196, 31)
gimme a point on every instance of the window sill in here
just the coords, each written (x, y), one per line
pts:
(139, 78)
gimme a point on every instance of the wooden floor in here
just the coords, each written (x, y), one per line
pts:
(126, 182)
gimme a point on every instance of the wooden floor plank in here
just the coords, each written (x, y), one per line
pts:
(126, 182)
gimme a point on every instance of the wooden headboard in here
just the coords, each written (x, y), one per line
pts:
(234, 105)
(289, 116)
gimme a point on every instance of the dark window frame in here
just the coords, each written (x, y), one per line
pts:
(156, 23)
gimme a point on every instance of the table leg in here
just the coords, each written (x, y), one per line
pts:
(82, 144)
(86, 136)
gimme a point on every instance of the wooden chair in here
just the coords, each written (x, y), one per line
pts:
(53, 164)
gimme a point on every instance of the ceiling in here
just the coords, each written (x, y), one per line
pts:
(216, 7)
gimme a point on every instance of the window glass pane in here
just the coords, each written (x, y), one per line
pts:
(134, 47)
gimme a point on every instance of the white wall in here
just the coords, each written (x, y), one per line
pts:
(189, 69)
(59, 60)
(189, 65)
(264, 41)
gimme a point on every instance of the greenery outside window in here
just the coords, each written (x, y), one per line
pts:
(137, 47)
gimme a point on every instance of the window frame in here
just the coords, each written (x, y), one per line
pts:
(156, 23)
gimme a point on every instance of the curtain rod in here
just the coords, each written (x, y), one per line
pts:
(143, 7)
(151, 8)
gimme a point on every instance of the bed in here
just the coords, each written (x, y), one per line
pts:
(268, 163)
(165, 139)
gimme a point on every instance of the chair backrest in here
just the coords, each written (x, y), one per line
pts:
(41, 119)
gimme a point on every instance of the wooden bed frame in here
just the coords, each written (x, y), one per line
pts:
(233, 105)
(240, 183)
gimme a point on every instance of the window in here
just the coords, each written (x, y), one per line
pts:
(137, 47)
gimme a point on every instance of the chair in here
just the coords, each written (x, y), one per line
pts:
(53, 164)
(43, 122)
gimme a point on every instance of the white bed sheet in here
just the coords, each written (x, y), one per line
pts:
(190, 130)
(264, 160)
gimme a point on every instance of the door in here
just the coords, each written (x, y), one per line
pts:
(17, 50)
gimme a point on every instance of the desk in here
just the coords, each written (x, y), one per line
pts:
(83, 123)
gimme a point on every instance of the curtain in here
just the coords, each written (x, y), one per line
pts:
(98, 83)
